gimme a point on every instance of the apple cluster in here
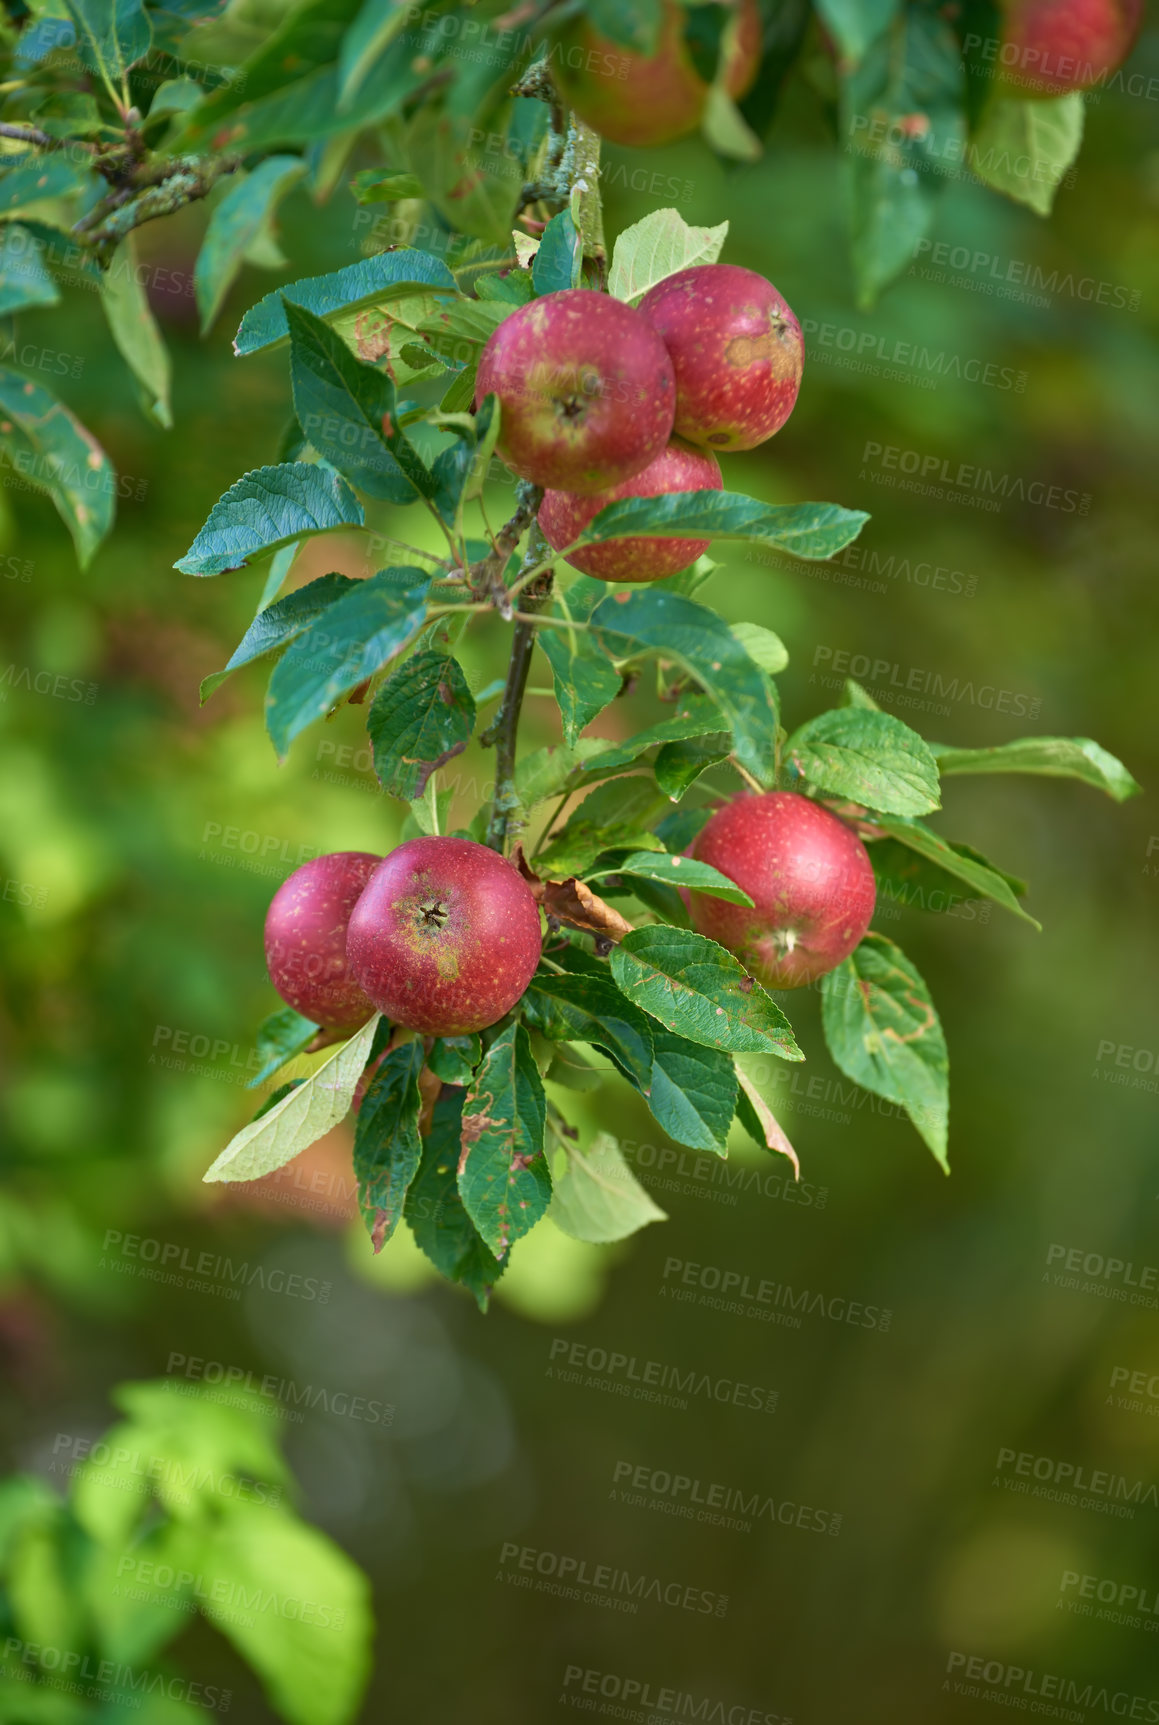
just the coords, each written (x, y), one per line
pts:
(443, 935)
(601, 401)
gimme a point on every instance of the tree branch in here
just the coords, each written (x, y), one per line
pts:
(504, 731)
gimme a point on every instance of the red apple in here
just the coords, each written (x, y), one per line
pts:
(809, 877)
(737, 351)
(636, 99)
(446, 936)
(306, 937)
(563, 517)
(1049, 47)
(585, 390)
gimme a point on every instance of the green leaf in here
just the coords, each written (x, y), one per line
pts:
(616, 814)
(1024, 146)
(854, 24)
(283, 1035)
(435, 1212)
(233, 227)
(813, 531)
(447, 151)
(911, 879)
(871, 758)
(762, 646)
(883, 1032)
(310, 1643)
(725, 127)
(280, 623)
(112, 35)
(962, 863)
(629, 623)
(265, 509)
(546, 772)
(679, 765)
(36, 180)
(459, 330)
(305, 1115)
(675, 871)
(1051, 757)
(657, 247)
(504, 1179)
(24, 280)
(134, 329)
(693, 1092)
(460, 471)
(598, 1198)
(421, 717)
(353, 638)
(387, 1146)
(894, 173)
(695, 717)
(304, 40)
(853, 695)
(585, 679)
(49, 448)
(454, 1059)
(348, 413)
(700, 991)
(760, 1122)
(591, 1009)
(559, 261)
(384, 185)
(371, 281)
(378, 22)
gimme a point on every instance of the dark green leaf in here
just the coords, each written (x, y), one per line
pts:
(135, 331)
(376, 25)
(447, 151)
(435, 1212)
(112, 35)
(559, 260)
(871, 758)
(454, 1059)
(283, 1035)
(598, 1198)
(810, 530)
(461, 470)
(460, 329)
(960, 862)
(591, 1009)
(676, 628)
(700, 991)
(854, 24)
(347, 411)
(24, 279)
(387, 1147)
(421, 717)
(233, 227)
(504, 1180)
(911, 879)
(694, 717)
(678, 829)
(585, 678)
(693, 1092)
(883, 1032)
(1052, 757)
(265, 509)
(675, 871)
(278, 624)
(304, 39)
(354, 638)
(370, 282)
(384, 185)
(50, 449)
(679, 765)
(512, 287)
(35, 180)
(616, 814)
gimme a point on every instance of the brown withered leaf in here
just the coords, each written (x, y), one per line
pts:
(572, 902)
(775, 1136)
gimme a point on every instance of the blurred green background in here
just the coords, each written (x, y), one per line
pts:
(141, 839)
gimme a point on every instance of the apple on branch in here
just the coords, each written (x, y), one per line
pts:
(306, 938)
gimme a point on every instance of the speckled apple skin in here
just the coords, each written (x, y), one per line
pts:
(630, 99)
(306, 937)
(808, 875)
(586, 390)
(737, 351)
(446, 936)
(563, 516)
(1050, 47)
